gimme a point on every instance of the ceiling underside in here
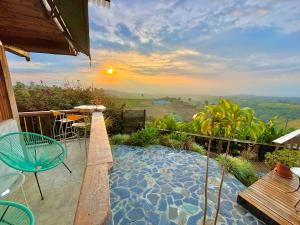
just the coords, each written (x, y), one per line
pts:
(27, 25)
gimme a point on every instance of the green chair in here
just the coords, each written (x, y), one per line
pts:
(12, 213)
(30, 152)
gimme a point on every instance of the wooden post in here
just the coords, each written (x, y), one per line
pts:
(9, 87)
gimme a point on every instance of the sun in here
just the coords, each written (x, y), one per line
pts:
(110, 71)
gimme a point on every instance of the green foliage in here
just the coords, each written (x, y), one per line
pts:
(240, 168)
(182, 137)
(228, 119)
(168, 122)
(173, 143)
(119, 139)
(290, 158)
(145, 137)
(35, 97)
(38, 97)
(197, 148)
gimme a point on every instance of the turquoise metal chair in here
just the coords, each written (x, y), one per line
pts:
(30, 152)
(12, 213)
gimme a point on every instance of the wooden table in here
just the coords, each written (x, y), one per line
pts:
(296, 172)
(90, 108)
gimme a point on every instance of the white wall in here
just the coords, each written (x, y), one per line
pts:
(7, 126)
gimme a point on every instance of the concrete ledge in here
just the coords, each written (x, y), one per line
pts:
(94, 204)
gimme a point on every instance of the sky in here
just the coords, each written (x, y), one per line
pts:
(215, 47)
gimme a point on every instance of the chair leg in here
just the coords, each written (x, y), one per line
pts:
(24, 195)
(37, 181)
(78, 136)
(85, 139)
(67, 167)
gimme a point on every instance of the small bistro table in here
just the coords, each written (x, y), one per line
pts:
(90, 108)
(296, 172)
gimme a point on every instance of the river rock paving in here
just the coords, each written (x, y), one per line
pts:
(162, 186)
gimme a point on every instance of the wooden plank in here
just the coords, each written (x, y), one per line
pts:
(11, 107)
(26, 24)
(99, 149)
(94, 204)
(18, 51)
(40, 113)
(269, 197)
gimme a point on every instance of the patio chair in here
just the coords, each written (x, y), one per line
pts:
(10, 182)
(30, 152)
(12, 213)
(80, 122)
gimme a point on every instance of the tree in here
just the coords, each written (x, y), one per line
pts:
(209, 118)
(231, 119)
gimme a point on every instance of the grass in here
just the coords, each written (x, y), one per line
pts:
(119, 139)
(145, 137)
(241, 168)
(184, 110)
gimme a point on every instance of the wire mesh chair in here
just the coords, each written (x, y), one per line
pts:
(80, 122)
(10, 182)
(12, 213)
(30, 152)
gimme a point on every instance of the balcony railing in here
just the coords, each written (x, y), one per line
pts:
(94, 203)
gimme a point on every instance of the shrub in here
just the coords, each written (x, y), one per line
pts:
(168, 122)
(197, 148)
(145, 137)
(182, 137)
(290, 158)
(240, 168)
(173, 143)
(119, 139)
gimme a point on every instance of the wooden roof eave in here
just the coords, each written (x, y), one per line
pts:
(26, 25)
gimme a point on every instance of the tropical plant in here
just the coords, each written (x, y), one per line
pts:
(290, 158)
(168, 122)
(145, 137)
(241, 168)
(210, 118)
(179, 136)
(119, 139)
(197, 148)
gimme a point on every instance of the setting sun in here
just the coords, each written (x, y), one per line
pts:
(110, 71)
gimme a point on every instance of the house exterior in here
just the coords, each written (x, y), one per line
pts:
(43, 26)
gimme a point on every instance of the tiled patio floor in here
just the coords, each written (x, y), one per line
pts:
(60, 188)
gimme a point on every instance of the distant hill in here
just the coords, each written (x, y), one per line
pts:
(285, 108)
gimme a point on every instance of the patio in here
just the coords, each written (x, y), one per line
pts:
(61, 189)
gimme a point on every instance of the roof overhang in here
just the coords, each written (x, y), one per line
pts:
(290, 138)
(45, 26)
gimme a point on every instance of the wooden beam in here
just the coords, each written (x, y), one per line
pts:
(17, 51)
(39, 45)
(9, 87)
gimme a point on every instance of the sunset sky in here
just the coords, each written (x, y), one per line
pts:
(183, 47)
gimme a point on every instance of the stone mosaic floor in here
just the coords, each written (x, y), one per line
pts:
(158, 185)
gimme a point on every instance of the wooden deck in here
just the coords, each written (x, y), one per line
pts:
(269, 201)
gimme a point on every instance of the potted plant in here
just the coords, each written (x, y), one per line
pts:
(282, 161)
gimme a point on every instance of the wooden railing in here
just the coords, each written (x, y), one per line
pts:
(40, 121)
(260, 148)
(94, 203)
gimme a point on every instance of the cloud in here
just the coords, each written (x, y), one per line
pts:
(146, 22)
(23, 65)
